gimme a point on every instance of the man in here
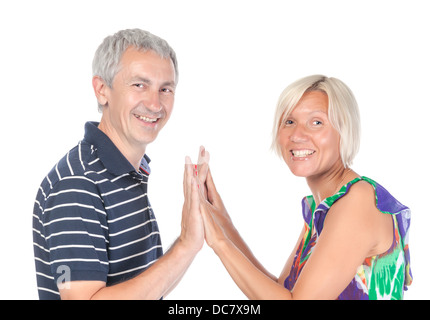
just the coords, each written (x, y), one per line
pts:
(95, 234)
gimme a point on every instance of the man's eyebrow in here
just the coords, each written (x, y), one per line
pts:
(141, 79)
(149, 81)
(170, 84)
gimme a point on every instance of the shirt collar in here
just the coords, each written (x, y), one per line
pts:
(109, 154)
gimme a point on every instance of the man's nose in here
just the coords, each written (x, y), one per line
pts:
(152, 101)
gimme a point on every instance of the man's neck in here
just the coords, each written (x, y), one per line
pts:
(133, 154)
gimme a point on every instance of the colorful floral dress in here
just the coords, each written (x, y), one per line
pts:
(383, 276)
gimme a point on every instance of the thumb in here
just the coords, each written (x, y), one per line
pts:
(213, 195)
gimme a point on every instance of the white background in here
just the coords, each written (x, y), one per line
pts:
(235, 57)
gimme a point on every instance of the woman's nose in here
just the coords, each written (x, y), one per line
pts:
(299, 134)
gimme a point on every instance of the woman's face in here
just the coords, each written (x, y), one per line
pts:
(309, 143)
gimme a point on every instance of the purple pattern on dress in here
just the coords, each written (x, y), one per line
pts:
(386, 203)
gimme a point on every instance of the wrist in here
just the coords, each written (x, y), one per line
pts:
(221, 246)
(224, 221)
(186, 247)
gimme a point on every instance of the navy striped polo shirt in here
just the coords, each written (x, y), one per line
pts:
(92, 219)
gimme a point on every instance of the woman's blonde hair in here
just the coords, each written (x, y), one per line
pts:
(342, 112)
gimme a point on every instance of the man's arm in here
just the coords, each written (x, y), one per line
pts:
(154, 283)
(159, 279)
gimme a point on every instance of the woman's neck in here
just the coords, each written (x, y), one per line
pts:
(328, 183)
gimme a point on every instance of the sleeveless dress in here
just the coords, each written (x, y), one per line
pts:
(383, 276)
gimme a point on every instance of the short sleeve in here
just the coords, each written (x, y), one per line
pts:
(75, 230)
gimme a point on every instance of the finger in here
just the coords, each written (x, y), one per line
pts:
(203, 167)
(184, 179)
(206, 214)
(206, 217)
(206, 208)
(210, 225)
(203, 164)
(194, 197)
(202, 173)
(203, 155)
(210, 184)
(187, 167)
(188, 175)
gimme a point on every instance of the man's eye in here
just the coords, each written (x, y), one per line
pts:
(138, 85)
(166, 90)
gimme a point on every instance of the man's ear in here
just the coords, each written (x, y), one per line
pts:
(101, 90)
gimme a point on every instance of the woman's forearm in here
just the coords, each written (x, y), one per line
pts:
(253, 282)
(241, 245)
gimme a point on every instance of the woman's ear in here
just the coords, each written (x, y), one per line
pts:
(100, 90)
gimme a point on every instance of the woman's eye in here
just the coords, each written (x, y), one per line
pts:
(317, 123)
(289, 122)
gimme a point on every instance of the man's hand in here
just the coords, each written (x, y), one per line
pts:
(192, 230)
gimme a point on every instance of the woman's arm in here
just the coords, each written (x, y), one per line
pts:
(287, 267)
(350, 235)
(354, 229)
(253, 282)
(222, 217)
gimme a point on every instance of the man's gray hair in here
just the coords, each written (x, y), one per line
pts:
(106, 62)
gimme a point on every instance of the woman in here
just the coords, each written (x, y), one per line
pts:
(354, 243)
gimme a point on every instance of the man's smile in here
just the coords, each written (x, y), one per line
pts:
(146, 119)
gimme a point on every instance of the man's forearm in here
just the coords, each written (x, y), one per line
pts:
(155, 282)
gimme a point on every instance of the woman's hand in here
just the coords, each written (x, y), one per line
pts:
(211, 206)
(214, 233)
(217, 205)
(223, 238)
(219, 226)
(202, 169)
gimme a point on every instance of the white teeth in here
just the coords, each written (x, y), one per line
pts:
(302, 153)
(145, 118)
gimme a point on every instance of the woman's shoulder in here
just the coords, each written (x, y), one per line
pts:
(351, 206)
(364, 189)
(361, 190)
(359, 200)
(358, 191)
(357, 213)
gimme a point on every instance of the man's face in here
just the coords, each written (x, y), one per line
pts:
(140, 101)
